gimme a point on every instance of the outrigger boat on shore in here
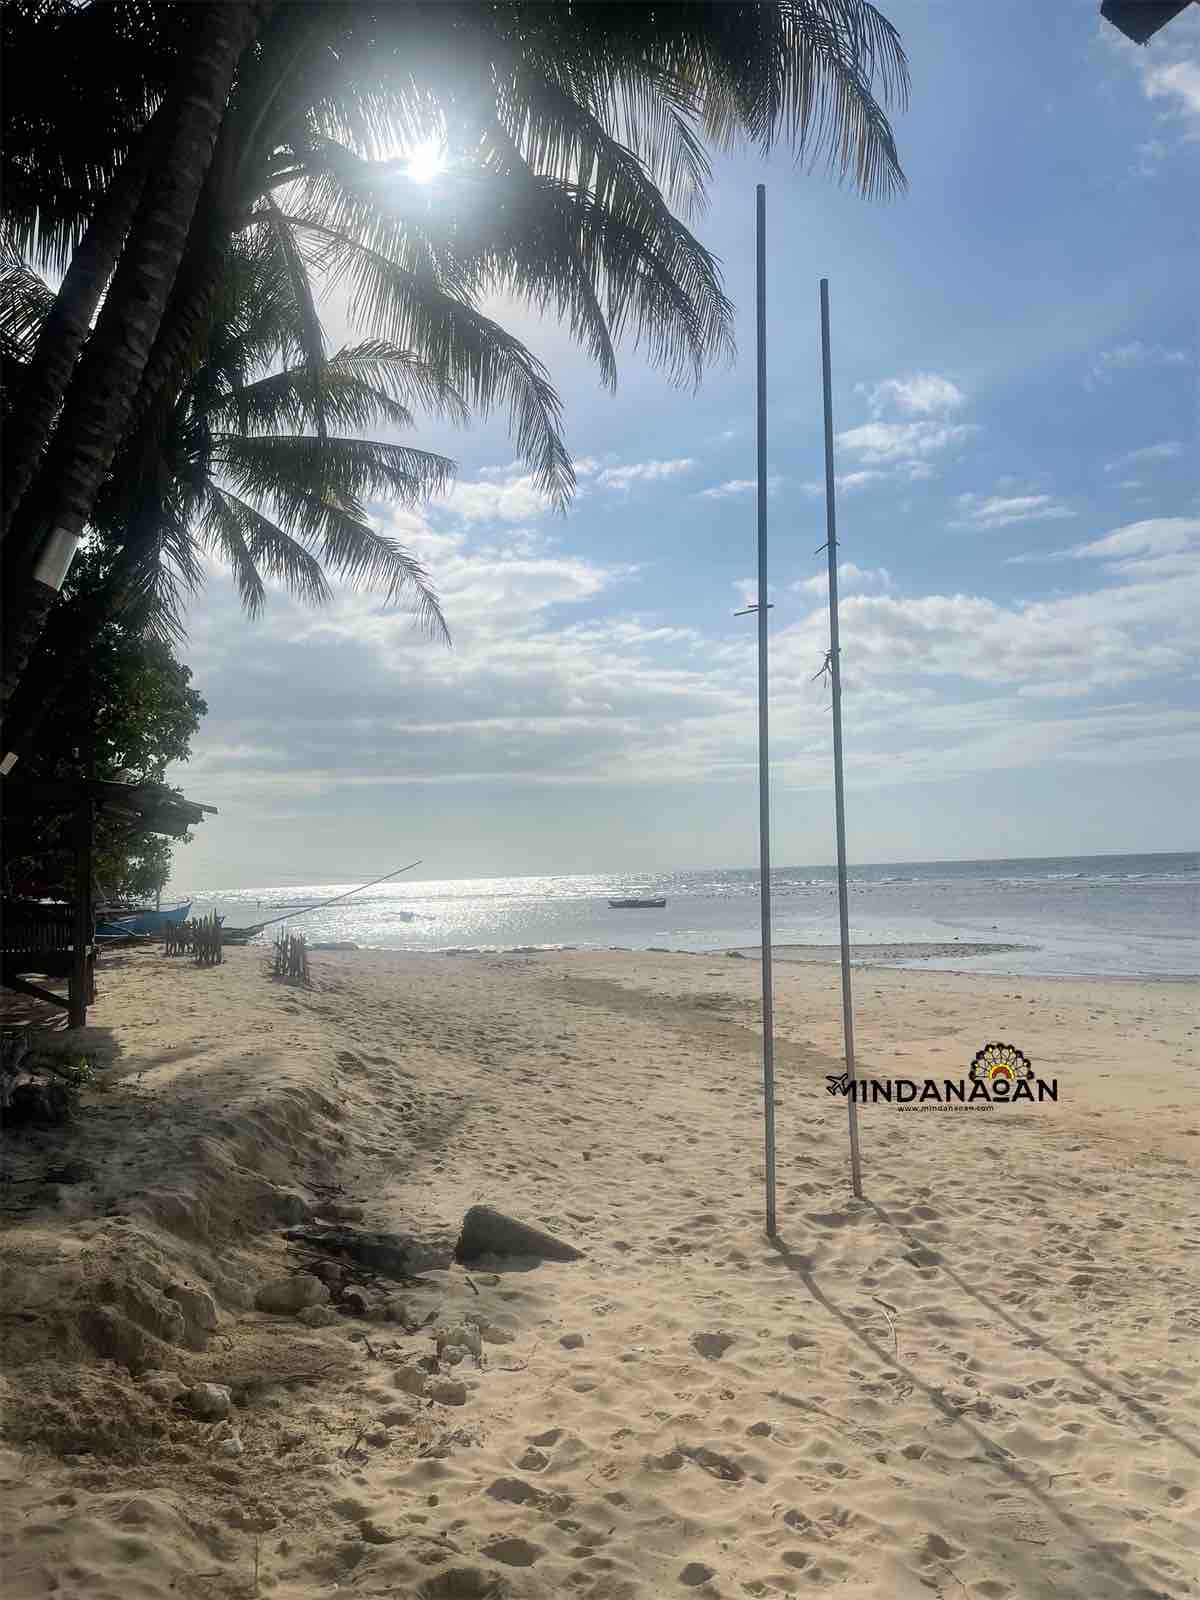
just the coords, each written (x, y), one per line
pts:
(147, 921)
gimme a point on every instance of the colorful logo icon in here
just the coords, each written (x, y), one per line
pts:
(1000, 1064)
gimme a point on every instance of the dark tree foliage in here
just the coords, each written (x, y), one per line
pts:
(129, 711)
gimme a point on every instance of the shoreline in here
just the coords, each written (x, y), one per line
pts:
(898, 956)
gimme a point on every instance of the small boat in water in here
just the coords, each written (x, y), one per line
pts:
(145, 921)
(637, 903)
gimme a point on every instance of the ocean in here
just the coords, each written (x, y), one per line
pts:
(1118, 916)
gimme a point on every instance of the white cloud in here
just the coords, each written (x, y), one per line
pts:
(900, 444)
(727, 491)
(924, 394)
(746, 590)
(1177, 81)
(998, 511)
(848, 482)
(1156, 545)
(514, 499)
(555, 678)
(850, 578)
(1133, 356)
(856, 480)
(510, 494)
(644, 472)
(909, 448)
(1174, 540)
(1169, 71)
(1166, 451)
(737, 486)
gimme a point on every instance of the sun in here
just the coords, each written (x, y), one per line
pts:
(426, 161)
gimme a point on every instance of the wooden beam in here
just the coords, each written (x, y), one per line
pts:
(23, 986)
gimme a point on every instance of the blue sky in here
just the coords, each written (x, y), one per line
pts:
(1015, 360)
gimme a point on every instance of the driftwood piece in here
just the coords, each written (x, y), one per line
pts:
(486, 1232)
(392, 1255)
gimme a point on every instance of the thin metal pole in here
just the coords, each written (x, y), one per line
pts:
(764, 790)
(835, 674)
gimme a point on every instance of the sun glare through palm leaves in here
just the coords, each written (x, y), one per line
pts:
(426, 161)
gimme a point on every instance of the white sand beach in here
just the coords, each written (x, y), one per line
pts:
(979, 1380)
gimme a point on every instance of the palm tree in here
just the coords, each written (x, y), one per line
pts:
(246, 466)
(239, 469)
(73, 207)
(98, 402)
(573, 131)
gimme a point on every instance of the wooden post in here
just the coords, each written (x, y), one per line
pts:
(79, 990)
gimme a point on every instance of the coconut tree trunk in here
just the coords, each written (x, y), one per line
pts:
(101, 394)
(61, 338)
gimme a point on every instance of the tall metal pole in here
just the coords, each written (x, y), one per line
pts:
(764, 791)
(835, 674)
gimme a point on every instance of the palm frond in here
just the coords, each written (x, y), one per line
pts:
(403, 375)
(276, 466)
(269, 550)
(801, 72)
(360, 388)
(312, 336)
(110, 64)
(809, 80)
(483, 363)
(621, 239)
(25, 302)
(366, 559)
(223, 532)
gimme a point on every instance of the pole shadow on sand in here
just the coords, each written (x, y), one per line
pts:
(1130, 1402)
(1107, 1564)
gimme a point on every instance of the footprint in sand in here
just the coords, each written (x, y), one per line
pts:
(463, 1583)
(694, 1574)
(513, 1552)
(712, 1346)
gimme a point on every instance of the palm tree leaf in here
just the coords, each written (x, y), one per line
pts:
(286, 400)
(402, 375)
(278, 465)
(25, 302)
(312, 336)
(274, 553)
(223, 531)
(366, 559)
(481, 361)
(360, 386)
(110, 65)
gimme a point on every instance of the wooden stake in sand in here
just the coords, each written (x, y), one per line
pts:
(833, 662)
